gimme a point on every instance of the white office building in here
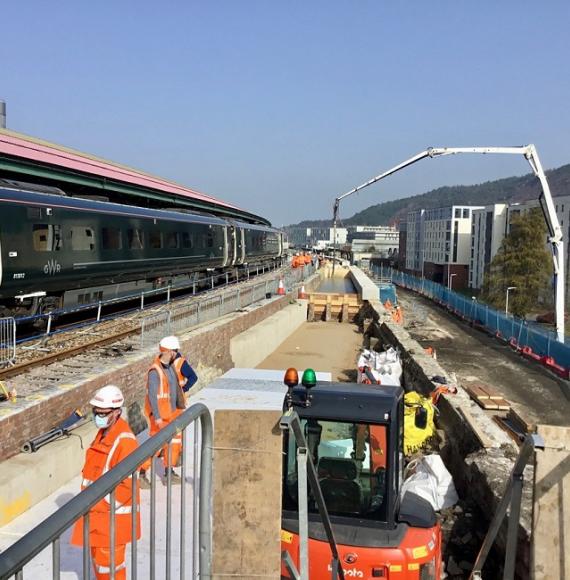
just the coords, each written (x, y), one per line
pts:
(488, 228)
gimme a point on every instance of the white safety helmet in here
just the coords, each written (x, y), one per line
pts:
(169, 343)
(109, 397)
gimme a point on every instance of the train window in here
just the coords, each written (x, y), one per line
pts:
(135, 239)
(155, 239)
(82, 238)
(187, 240)
(47, 238)
(210, 240)
(111, 239)
(172, 240)
(35, 213)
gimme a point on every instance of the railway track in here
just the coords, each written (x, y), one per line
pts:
(85, 349)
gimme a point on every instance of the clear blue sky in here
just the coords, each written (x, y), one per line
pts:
(281, 106)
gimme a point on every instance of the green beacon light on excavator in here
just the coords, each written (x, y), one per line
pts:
(309, 379)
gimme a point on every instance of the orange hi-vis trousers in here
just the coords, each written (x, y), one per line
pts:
(102, 563)
(175, 446)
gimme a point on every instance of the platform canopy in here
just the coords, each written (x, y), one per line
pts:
(25, 158)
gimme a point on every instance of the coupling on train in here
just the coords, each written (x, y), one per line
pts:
(58, 251)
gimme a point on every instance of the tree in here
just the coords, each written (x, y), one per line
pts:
(522, 261)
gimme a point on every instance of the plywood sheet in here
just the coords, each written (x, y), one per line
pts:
(551, 509)
(247, 494)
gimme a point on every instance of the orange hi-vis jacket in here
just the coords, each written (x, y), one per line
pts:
(178, 362)
(106, 451)
(164, 404)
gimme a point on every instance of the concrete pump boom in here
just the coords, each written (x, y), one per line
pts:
(554, 231)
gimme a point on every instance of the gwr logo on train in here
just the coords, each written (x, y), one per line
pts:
(52, 267)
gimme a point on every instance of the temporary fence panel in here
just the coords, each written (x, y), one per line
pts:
(7, 340)
(155, 327)
(175, 524)
(183, 317)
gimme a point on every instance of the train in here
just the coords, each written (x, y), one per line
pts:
(59, 251)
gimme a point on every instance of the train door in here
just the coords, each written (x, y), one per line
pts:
(240, 246)
(231, 244)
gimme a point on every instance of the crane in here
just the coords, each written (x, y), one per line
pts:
(554, 230)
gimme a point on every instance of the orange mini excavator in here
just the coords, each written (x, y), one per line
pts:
(354, 436)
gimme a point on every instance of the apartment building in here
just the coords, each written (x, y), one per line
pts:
(439, 242)
(488, 228)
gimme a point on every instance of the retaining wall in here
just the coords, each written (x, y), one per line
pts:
(479, 473)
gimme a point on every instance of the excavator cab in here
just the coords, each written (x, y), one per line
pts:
(354, 435)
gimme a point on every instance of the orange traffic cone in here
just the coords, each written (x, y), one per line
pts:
(302, 293)
(281, 288)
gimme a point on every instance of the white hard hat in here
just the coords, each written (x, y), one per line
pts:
(109, 397)
(170, 343)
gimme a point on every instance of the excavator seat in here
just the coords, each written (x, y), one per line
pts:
(338, 480)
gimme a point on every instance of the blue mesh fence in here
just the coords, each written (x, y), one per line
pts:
(388, 292)
(541, 341)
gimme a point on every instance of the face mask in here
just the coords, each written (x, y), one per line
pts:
(102, 422)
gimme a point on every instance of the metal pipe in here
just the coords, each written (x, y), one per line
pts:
(134, 527)
(152, 561)
(303, 513)
(86, 545)
(183, 506)
(168, 508)
(206, 457)
(99, 311)
(113, 536)
(195, 515)
(56, 556)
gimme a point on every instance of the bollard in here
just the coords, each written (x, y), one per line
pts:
(168, 294)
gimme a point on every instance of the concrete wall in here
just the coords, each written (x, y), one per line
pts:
(252, 346)
(28, 478)
(366, 289)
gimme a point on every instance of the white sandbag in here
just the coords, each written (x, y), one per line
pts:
(386, 366)
(432, 481)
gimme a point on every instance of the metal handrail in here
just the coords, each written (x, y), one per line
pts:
(50, 530)
(290, 421)
(512, 498)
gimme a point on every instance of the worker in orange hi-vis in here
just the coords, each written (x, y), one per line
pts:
(113, 442)
(164, 402)
(397, 315)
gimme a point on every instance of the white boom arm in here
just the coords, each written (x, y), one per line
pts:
(554, 231)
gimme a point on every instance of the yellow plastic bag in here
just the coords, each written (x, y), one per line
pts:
(414, 437)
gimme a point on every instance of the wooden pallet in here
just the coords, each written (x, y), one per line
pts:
(486, 397)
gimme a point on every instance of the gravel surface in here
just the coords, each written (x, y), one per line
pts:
(475, 356)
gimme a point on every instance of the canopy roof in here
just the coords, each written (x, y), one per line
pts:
(28, 156)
